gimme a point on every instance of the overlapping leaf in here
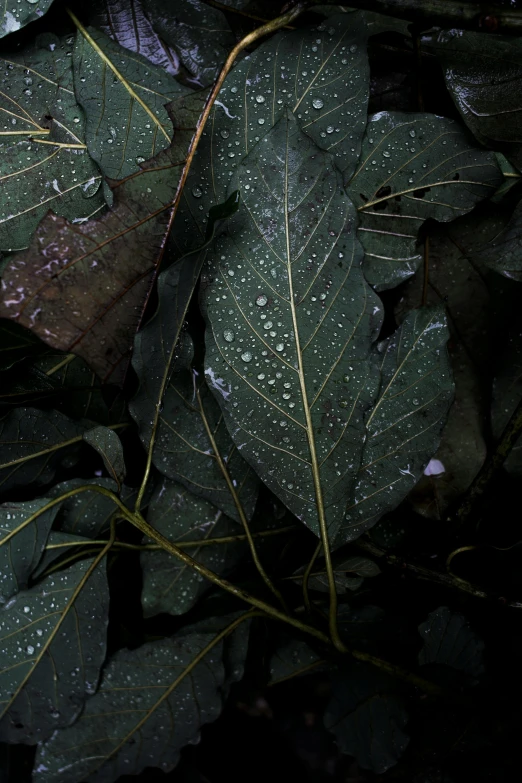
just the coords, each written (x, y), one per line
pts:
(503, 252)
(44, 163)
(168, 584)
(97, 274)
(321, 74)
(293, 658)
(413, 167)
(15, 16)
(108, 445)
(23, 535)
(449, 640)
(288, 352)
(87, 513)
(52, 647)
(484, 76)
(123, 96)
(142, 714)
(367, 718)
(33, 442)
(404, 426)
(349, 574)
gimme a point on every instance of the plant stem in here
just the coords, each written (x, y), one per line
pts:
(444, 579)
(463, 14)
(306, 576)
(260, 32)
(490, 468)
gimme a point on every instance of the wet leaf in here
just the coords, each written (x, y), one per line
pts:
(347, 574)
(292, 323)
(168, 584)
(108, 445)
(293, 658)
(23, 536)
(123, 97)
(17, 16)
(86, 513)
(413, 167)
(449, 640)
(43, 160)
(484, 75)
(367, 718)
(145, 713)
(117, 254)
(33, 443)
(53, 645)
(403, 429)
(321, 75)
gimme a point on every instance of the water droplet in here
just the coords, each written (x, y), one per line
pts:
(229, 335)
(39, 632)
(247, 356)
(261, 300)
(261, 121)
(330, 129)
(260, 98)
(197, 192)
(261, 376)
(317, 103)
(140, 159)
(343, 403)
(268, 325)
(412, 133)
(233, 89)
(29, 649)
(280, 347)
(230, 272)
(346, 378)
(415, 402)
(225, 133)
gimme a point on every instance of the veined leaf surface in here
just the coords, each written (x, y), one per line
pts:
(44, 163)
(413, 167)
(21, 543)
(32, 444)
(168, 584)
(321, 74)
(52, 645)
(291, 322)
(140, 717)
(123, 96)
(108, 445)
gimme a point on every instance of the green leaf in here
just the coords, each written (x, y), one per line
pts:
(289, 351)
(59, 545)
(22, 541)
(293, 658)
(124, 99)
(168, 584)
(147, 708)
(449, 640)
(321, 75)
(413, 167)
(17, 344)
(97, 285)
(43, 160)
(484, 76)
(52, 648)
(108, 445)
(17, 16)
(366, 717)
(403, 429)
(503, 252)
(291, 323)
(347, 574)
(86, 513)
(33, 443)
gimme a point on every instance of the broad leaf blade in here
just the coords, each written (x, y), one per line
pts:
(367, 718)
(484, 76)
(449, 640)
(53, 645)
(126, 123)
(291, 321)
(413, 167)
(15, 16)
(503, 252)
(293, 658)
(43, 160)
(108, 445)
(33, 442)
(139, 717)
(404, 426)
(321, 75)
(168, 584)
(23, 535)
(86, 513)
